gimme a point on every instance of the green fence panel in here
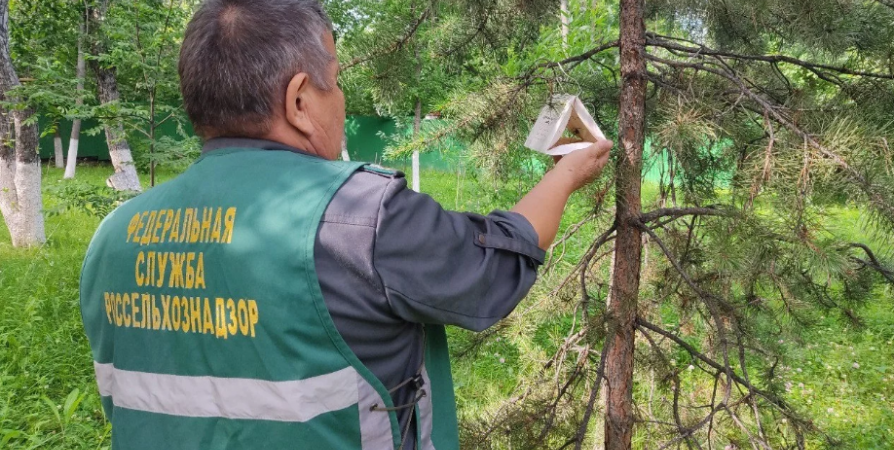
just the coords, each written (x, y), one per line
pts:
(93, 147)
(368, 137)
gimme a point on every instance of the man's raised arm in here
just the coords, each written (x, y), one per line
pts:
(445, 267)
(544, 205)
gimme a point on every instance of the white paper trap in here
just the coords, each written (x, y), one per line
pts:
(563, 112)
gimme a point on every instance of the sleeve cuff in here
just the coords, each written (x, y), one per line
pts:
(518, 236)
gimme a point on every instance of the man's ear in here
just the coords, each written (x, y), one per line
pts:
(297, 101)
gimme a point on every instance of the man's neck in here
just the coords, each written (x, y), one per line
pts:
(220, 143)
(289, 136)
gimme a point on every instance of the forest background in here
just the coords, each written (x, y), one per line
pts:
(740, 297)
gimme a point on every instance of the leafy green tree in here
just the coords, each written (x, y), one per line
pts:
(143, 47)
(133, 48)
(48, 50)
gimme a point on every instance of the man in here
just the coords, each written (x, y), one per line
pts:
(272, 297)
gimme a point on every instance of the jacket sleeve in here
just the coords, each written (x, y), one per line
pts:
(452, 268)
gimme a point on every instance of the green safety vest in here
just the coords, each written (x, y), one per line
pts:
(208, 327)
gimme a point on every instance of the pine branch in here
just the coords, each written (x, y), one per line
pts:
(719, 68)
(575, 60)
(873, 262)
(591, 402)
(644, 324)
(395, 46)
(655, 40)
(708, 299)
(481, 28)
(683, 212)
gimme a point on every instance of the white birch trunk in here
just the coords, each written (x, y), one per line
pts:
(73, 143)
(417, 124)
(125, 177)
(27, 224)
(416, 182)
(344, 149)
(566, 21)
(20, 196)
(71, 164)
(57, 147)
(21, 202)
(7, 171)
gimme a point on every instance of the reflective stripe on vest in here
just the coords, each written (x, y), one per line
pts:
(248, 399)
(229, 398)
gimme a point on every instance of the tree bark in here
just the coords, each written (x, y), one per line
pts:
(125, 177)
(59, 157)
(73, 143)
(21, 203)
(628, 247)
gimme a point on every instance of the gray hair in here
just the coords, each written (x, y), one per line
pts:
(238, 57)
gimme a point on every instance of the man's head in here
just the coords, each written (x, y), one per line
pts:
(264, 69)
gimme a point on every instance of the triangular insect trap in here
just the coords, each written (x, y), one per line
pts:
(561, 113)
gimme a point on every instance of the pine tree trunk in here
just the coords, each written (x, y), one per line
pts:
(125, 177)
(57, 147)
(21, 203)
(628, 247)
(73, 143)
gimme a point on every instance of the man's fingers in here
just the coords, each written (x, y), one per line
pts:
(604, 146)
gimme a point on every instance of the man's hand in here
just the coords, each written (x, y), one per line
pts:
(544, 205)
(584, 166)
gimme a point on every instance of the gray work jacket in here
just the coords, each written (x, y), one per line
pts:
(389, 259)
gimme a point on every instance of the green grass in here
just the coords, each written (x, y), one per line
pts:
(48, 397)
(844, 377)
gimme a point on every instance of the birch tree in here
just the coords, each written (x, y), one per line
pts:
(81, 74)
(125, 177)
(58, 151)
(21, 204)
(49, 55)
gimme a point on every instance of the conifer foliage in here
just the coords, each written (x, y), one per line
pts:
(762, 117)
